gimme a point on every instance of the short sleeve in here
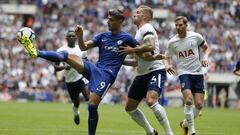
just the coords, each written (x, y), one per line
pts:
(147, 31)
(169, 51)
(132, 41)
(200, 39)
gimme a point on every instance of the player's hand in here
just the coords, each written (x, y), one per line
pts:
(79, 31)
(204, 62)
(170, 70)
(125, 50)
(160, 56)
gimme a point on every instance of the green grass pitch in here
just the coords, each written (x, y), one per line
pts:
(57, 119)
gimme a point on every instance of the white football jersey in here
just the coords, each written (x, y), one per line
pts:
(72, 75)
(145, 67)
(187, 52)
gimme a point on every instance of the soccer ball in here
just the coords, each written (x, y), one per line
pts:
(27, 32)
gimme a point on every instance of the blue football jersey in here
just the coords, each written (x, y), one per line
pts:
(108, 43)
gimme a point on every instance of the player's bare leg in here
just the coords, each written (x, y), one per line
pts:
(199, 103)
(159, 111)
(86, 94)
(75, 62)
(205, 99)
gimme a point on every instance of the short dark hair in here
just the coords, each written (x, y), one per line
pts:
(70, 31)
(185, 20)
(118, 14)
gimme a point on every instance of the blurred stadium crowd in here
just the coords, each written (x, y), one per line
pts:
(35, 79)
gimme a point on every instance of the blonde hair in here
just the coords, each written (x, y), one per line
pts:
(147, 9)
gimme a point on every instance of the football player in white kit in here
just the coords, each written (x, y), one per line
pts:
(75, 82)
(185, 45)
(151, 76)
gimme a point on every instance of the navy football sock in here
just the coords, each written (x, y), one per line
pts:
(53, 56)
(92, 119)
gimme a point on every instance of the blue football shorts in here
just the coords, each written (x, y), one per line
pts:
(100, 80)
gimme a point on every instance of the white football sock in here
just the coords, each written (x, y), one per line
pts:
(138, 116)
(75, 110)
(185, 123)
(161, 116)
(189, 116)
(196, 112)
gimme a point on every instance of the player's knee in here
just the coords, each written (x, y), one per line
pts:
(76, 104)
(188, 101)
(199, 105)
(152, 97)
(129, 108)
(131, 105)
(151, 101)
(94, 99)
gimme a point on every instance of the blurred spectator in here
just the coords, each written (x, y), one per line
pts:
(222, 96)
(218, 21)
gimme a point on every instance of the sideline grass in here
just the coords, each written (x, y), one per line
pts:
(57, 119)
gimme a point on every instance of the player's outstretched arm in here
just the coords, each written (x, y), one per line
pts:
(147, 46)
(130, 62)
(82, 45)
(149, 57)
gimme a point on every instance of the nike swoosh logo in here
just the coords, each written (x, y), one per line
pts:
(104, 40)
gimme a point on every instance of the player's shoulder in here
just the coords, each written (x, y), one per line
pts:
(192, 33)
(109, 33)
(173, 39)
(62, 48)
(103, 34)
(126, 34)
(146, 27)
(77, 47)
